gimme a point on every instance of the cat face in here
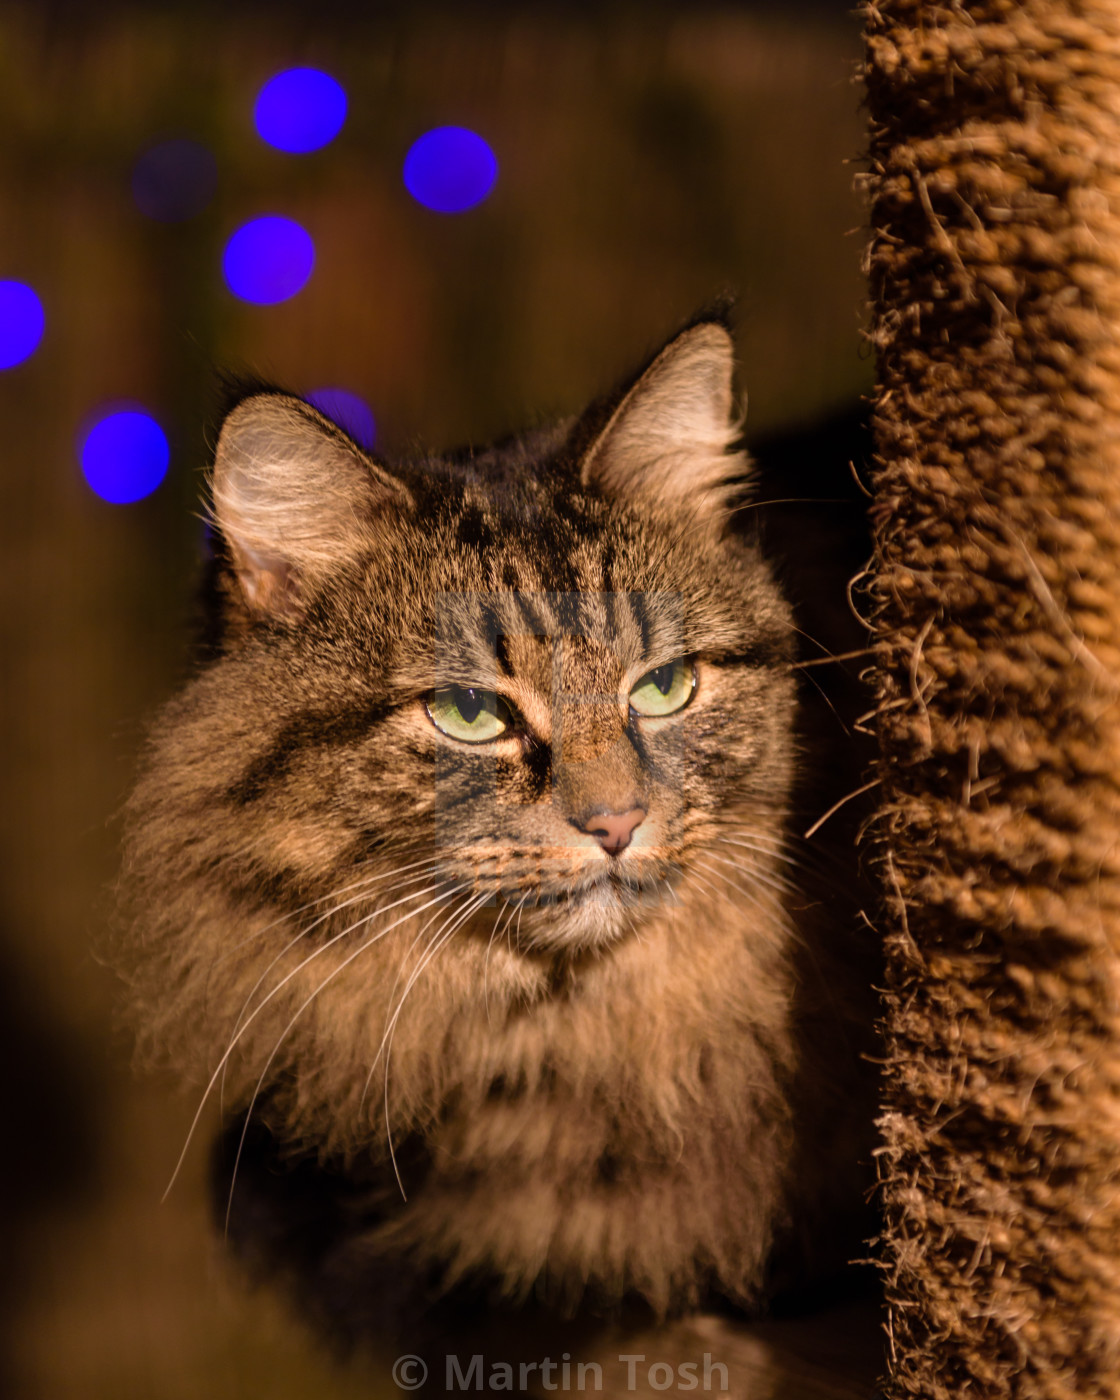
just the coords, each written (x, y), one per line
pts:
(545, 670)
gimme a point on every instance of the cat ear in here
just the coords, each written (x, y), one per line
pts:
(670, 440)
(292, 497)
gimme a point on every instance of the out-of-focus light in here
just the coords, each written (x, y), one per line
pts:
(268, 260)
(300, 110)
(450, 169)
(349, 411)
(174, 180)
(124, 454)
(21, 323)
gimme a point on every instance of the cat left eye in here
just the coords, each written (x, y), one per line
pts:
(664, 690)
(466, 713)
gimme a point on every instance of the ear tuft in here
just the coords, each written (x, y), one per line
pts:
(293, 497)
(671, 440)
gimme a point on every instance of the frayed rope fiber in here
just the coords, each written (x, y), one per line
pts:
(995, 280)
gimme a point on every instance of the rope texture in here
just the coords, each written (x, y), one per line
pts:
(994, 265)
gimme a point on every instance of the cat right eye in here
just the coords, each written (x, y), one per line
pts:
(664, 690)
(469, 714)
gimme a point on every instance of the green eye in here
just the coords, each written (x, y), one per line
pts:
(665, 690)
(470, 715)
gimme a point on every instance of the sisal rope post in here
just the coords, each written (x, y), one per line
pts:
(995, 281)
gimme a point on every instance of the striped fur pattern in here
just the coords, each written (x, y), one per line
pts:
(369, 934)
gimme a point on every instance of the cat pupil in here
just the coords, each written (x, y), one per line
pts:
(663, 677)
(468, 702)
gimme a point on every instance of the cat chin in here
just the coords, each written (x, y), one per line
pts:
(592, 919)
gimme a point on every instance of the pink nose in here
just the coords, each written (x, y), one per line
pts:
(613, 830)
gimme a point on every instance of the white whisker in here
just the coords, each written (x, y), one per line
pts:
(438, 941)
(486, 961)
(362, 948)
(763, 843)
(762, 877)
(424, 927)
(364, 883)
(262, 1004)
(766, 905)
(420, 878)
(417, 879)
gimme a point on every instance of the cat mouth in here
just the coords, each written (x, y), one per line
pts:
(607, 888)
(594, 913)
(614, 884)
(565, 909)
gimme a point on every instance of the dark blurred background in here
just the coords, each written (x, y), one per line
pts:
(649, 158)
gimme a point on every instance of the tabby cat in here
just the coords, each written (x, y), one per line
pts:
(462, 869)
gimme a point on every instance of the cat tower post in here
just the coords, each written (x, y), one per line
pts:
(995, 279)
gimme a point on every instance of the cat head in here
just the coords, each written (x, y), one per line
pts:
(542, 676)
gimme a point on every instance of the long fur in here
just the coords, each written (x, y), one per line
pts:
(404, 957)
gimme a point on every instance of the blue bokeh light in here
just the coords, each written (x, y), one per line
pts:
(300, 110)
(124, 454)
(450, 169)
(21, 323)
(349, 411)
(268, 260)
(174, 180)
